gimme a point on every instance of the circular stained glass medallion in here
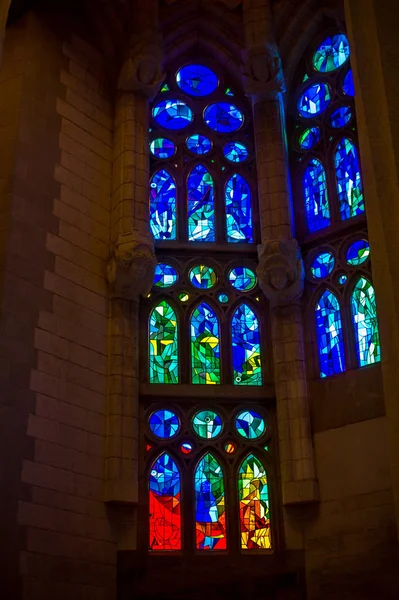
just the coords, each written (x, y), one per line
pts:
(235, 152)
(314, 100)
(197, 80)
(172, 114)
(342, 279)
(223, 117)
(348, 85)
(250, 424)
(341, 117)
(322, 265)
(184, 297)
(223, 298)
(332, 53)
(202, 277)
(358, 253)
(309, 138)
(242, 279)
(164, 424)
(207, 424)
(162, 148)
(165, 276)
(186, 447)
(199, 144)
(230, 448)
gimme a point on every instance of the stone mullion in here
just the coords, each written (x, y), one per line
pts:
(280, 270)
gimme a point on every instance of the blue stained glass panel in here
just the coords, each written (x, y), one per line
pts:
(323, 265)
(332, 53)
(197, 80)
(358, 252)
(162, 148)
(314, 100)
(250, 424)
(341, 117)
(238, 210)
(349, 181)
(163, 206)
(205, 346)
(309, 138)
(165, 275)
(223, 117)
(314, 183)
(210, 514)
(164, 424)
(348, 85)
(201, 206)
(172, 114)
(199, 144)
(247, 368)
(242, 279)
(365, 322)
(329, 335)
(235, 152)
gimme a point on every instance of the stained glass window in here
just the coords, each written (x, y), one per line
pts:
(242, 278)
(162, 148)
(203, 277)
(163, 206)
(164, 424)
(172, 114)
(205, 345)
(235, 152)
(254, 505)
(238, 210)
(309, 138)
(207, 424)
(163, 355)
(349, 181)
(331, 54)
(250, 424)
(349, 86)
(323, 265)
(358, 252)
(247, 369)
(197, 80)
(164, 505)
(364, 316)
(210, 514)
(316, 196)
(341, 117)
(201, 205)
(199, 144)
(223, 117)
(165, 275)
(314, 100)
(329, 335)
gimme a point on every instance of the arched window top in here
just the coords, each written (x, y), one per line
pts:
(210, 512)
(164, 505)
(163, 344)
(254, 505)
(329, 335)
(365, 322)
(247, 369)
(205, 345)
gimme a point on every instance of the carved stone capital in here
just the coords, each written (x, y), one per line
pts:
(142, 70)
(262, 73)
(280, 271)
(130, 270)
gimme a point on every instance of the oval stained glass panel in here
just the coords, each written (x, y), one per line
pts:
(162, 148)
(332, 53)
(172, 114)
(199, 144)
(348, 85)
(238, 210)
(201, 205)
(197, 80)
(165, 275)
(210, 512)
(164, 505)
(250, 424)
(207, 424)
(203, 277)
(223, 117)
(358, 253)
(235, 152)
(164, 424)
(341, 117)
(323, 265)
(342, 279)
(314, 100)
(163, 206)
(223, 298)
(242, 279)
(309, 138)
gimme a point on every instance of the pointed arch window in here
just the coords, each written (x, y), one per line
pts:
(210, 513)
(205, 345)
(253, 497)
(329, 335)
(164, 505)
(247, 368)
(316, 196)
(349, 180)
(201, 205)
(163, 213)
(163, 345)
(365, 323)
(238, 210)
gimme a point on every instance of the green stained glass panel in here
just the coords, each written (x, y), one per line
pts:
(364, 317)
(207, 424)
(205, 346)
(203, 277)
(250, 424)
(163, 350)
(254, 505)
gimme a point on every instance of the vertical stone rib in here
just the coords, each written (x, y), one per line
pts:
(280, 268)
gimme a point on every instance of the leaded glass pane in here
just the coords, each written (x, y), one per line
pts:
(349, 86)
(322, 265)
(254, 505)
(210, 515)
(315, 193)
(349, 181)
(309, 138)
(247, 369)
(358, 252)
(205, 346)
(238, 210)
(314, 100)
(164, 505)
(199, 144)
(364, 316)
(201, 206)
(341, 117)
(172, 114)
(223, 117)
(332, 53)
(235, 152)
(329, 335)
(197, 80)
(163, 206)
(163, 351)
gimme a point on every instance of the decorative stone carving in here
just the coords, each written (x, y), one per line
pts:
(142, 69)
(130, 270)
(263, 77)
(280, 270)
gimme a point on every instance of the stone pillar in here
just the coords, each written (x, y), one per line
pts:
(280, 270)
(131, 267)
(372, 30)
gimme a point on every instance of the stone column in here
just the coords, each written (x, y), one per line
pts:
(131, 267)
(372, 30)
(280, 270)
